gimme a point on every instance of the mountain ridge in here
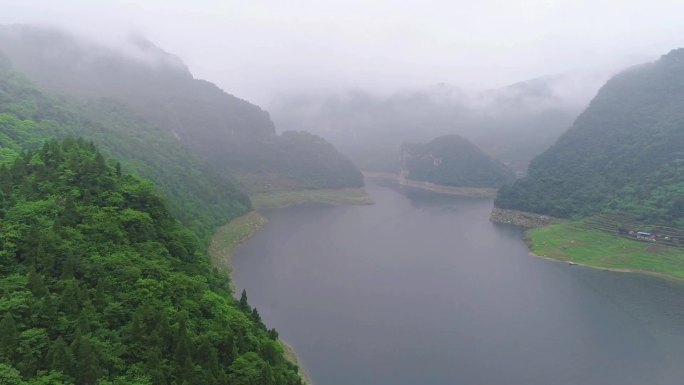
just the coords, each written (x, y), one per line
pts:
(624, 152)
(513, 123)
(233, 135)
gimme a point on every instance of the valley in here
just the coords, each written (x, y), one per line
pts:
(182, 198)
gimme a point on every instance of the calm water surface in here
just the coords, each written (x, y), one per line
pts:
(422, 289)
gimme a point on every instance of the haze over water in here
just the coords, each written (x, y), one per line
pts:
(422, 289)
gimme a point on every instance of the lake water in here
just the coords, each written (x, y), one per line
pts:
(422, 289)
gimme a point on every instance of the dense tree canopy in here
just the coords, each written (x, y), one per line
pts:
(99, 284)
(196, 194)
(625, 152)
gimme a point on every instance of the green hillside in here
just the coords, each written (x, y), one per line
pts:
(625, 152)
(99, 284)
(452, 160)
(195, 193)
(231, 134)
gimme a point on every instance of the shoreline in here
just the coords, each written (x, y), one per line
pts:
(611, 269)
(290, 355)
(568, 242)
(227, 238)
(287, 198)
(473, 192)
(574, 244)
(224, 242)
(521, 218)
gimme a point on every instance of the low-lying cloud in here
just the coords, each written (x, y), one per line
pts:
(260, 49)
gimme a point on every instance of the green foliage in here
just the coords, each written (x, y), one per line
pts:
(228, 132)
(200, 197)
(99, 284)
(624, 153)
(308, 159)
(451, 160)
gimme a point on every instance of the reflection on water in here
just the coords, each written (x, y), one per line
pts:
(422, 289)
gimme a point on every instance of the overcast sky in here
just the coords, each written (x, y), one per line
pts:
(257, 49)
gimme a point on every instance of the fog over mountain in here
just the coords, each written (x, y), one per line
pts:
(235, 136)
(624, 152)
(378, 175)
(513, 123)
(261, 49)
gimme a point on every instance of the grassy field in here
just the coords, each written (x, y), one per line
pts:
(231, 235)
(347, 196)
(571, 241)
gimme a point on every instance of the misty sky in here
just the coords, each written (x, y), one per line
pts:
(257, 49)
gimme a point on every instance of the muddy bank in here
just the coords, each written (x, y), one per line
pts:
(479, 192)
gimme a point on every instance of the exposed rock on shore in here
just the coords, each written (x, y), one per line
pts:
(520, 218)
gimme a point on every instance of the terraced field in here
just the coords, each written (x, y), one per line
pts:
(628, 227)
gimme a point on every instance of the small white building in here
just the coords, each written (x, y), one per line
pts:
(644, 236)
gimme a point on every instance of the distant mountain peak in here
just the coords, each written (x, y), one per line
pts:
(674, 56)
(452, 160)
(56, 46)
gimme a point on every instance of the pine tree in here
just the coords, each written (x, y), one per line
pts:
(153, 365)
(69, 215)
(18, 170)
(9, 337)
(36, 283)
(137, 331)
(68, 268)
(100, 300)
(60, 357)
(87, 361)
(183, 351)
(185, 372)
(227, 350)
(70, 299)
(244, 305)
(257, 318)
(118, 169)
(85, 317)
(164, 331)
(207, 356)
(48, 314)
(5, 181)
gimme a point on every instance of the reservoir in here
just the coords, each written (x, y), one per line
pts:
(423, 289)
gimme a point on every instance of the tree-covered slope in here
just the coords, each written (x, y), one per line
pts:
(451, 160)
(624, 152)
(317, 162)
(99, 284)
(233, 135)
(196, 194)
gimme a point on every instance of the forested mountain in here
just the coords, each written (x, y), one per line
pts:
(452, 161)
(624, 152)
(99, 284)
(512, 124)
(196, 194)
(233, 135)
